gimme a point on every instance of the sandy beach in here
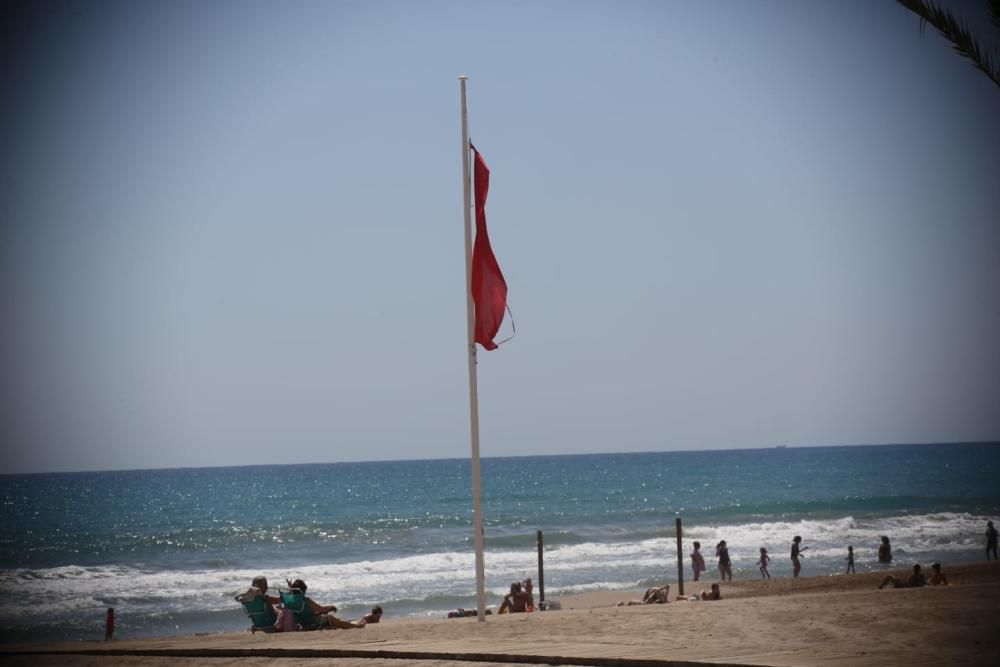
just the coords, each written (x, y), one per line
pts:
(830, 620)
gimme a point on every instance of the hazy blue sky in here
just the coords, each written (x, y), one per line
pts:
(232, 231)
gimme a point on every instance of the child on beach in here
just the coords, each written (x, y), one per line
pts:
(697, 561)
(796, 555)
(850, 560)
(764, 560)
(109, 625)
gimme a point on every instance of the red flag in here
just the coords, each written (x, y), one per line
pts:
(489, 289)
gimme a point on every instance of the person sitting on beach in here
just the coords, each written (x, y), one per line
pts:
(529, 591)
(715, 594)
(915, 580)
(697, 561)
(937, 576)
(325, 612)
(373, 617)
(258, 590)
(885, 550)
(659, 595)
(260, 583)
(514, 602)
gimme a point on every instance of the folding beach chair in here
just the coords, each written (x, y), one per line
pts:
(261, 614)
(295, 602)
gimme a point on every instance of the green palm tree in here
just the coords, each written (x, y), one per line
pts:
(958, 34)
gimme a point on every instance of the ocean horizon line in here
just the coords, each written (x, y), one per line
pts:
(90, 471)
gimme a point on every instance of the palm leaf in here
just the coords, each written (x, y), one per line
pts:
(957, 33)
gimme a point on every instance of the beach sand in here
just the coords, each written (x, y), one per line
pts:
(830, 621)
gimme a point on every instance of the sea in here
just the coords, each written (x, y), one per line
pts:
(169, 549)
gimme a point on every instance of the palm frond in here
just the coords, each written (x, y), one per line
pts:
(994, 6)
(955, 32)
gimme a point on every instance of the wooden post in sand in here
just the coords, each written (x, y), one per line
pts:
(680, 560)
(541, 574)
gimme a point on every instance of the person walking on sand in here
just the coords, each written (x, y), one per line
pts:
(697, 561)
(850, 560)
(725, 564)
(885, 550)
(764, 560)
(109, 625)
(991, 540)
(797, 554)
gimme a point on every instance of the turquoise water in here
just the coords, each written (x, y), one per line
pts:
(169, 548)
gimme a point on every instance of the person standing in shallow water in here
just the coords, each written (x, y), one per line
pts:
(697, 561)
(725, 564)
(885, 550)
(796, 555)
(850, 560)
(991, 540)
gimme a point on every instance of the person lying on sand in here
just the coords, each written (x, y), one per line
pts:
(937, 576)
(714, 594)
(659, 595)
(325, 612)
(915, 580)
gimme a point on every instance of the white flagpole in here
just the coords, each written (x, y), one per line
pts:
(477, 505)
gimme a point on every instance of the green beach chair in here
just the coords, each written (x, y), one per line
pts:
(261, 614)
(295, 602)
